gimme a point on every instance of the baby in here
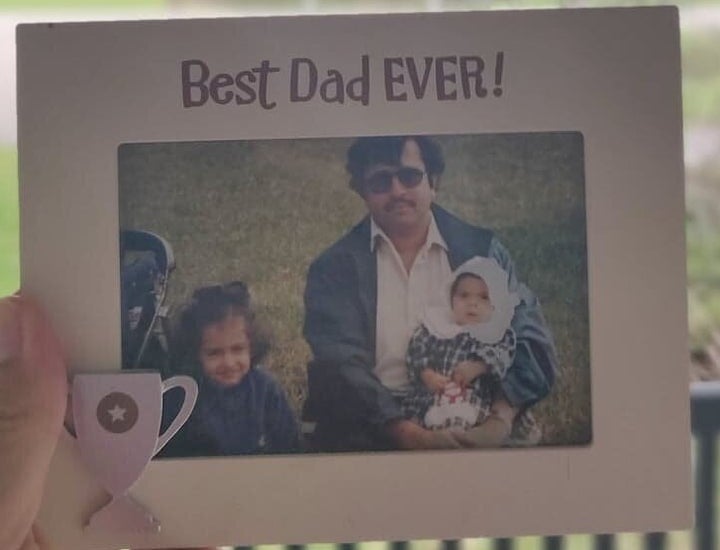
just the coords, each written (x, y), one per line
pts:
(458, 355)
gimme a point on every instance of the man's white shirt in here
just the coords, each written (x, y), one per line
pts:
(402, 298)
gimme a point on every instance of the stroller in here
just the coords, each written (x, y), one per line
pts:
(146, 260)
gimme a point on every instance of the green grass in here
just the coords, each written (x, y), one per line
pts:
(9, 244)
(702, 99)
(701, 76)
(703, 283)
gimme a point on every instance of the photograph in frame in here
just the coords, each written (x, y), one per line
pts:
(571, 159)
(261, 212)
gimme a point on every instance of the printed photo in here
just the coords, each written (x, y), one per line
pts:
(384, 293)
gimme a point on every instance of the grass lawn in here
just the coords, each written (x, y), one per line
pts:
(9, 244)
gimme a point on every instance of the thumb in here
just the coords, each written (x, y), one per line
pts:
(33, 389)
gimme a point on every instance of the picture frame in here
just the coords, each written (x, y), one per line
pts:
(90, 92)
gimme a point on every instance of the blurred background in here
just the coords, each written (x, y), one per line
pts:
(700, 28)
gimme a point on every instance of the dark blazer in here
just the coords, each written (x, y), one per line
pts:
(345, 397)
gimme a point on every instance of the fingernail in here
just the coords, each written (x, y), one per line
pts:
(9, 328)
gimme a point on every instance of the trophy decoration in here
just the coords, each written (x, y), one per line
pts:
(117, 419)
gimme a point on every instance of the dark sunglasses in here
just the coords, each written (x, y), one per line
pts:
(381, 181)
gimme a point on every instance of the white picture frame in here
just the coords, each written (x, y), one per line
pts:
(611, 74)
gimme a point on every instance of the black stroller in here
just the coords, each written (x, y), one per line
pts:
(146, 260)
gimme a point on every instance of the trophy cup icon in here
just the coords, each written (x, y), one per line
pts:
(117, 420)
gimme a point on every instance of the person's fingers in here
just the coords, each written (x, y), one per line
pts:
(30, 543)
(40, 540)
(504, 410)
(33, 389)
(35, 540)
(462, 439)
(443, 439)
(10, 325)
(457, 377)
(491, 433)
(69, 420)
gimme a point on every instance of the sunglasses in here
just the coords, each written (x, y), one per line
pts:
(381, 181)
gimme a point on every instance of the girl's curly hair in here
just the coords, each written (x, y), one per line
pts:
(213, 304)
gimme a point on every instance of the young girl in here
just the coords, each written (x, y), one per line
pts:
(240, 408)
(458, 355)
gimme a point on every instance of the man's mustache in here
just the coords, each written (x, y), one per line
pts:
(392, 204)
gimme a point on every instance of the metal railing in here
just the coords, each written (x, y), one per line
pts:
(705, 401)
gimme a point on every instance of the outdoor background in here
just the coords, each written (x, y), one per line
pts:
(700, 35)
(261, 211)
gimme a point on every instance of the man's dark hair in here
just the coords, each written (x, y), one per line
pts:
(369, 151)
(213, 304)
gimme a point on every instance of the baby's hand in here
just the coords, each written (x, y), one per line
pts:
(434, 381)
(466, 371)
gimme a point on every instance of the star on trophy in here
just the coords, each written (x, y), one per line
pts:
(117, 421)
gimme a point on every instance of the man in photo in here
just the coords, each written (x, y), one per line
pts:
(365, 295)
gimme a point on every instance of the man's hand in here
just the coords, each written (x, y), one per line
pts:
(491, 433)
(408, 435)
(466, 371)
(434, 381)
(502, 408)
(33, 393)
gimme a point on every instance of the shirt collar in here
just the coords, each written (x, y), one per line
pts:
(433, 237)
